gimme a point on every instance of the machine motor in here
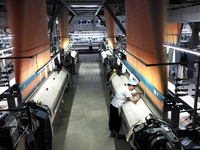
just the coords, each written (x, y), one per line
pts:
(155, 135)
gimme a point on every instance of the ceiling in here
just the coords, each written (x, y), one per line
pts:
(96, 7)
(87, 7)
(177, 4)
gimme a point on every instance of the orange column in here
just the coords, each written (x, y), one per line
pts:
(63, 28)
(28, 24)
(110, 26)
(144, 39)
(171, 32)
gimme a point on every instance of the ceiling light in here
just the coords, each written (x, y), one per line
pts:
(86, 6)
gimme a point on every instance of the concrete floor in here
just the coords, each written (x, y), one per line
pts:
(82, 120)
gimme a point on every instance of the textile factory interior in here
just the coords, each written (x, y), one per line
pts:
(62, 62)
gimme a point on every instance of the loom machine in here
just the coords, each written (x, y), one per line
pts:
(146, 128)
(26, 121)
(27, 128)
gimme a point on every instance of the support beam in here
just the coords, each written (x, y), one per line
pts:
(195, 26)
(71, 19)
(115, 18)
(53, 2)
(31, 42)
(71, 10)
(99, 7)
(179, 34)
(118, 2)
(63, 28)
(196, 98)
(101, 21)
(55, 15)
(51, 28)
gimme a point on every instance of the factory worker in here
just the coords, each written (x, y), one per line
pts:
(122, 95)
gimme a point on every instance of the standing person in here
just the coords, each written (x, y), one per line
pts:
(122, 95)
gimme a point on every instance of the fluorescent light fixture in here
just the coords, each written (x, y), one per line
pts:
(183, 50)
(86, 6)
(5, 38)
(88, 34)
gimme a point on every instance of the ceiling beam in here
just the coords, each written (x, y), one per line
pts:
(103, 22)
(99, 7)
(71, 19)
(69, 8)
(97, 11)
(57, 11)
(116, 19)
(114, 2)
(67, 5)
(52, 2)
(80, 2)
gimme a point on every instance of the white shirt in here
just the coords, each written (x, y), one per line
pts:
(121, 97)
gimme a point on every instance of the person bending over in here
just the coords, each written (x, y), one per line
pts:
(122, 95)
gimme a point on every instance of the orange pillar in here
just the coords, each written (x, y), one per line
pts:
(171, 32)
(144, 39)
(110, 26)
(28, 24)
(63, 28)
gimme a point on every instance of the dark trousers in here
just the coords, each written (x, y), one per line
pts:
(114, 120)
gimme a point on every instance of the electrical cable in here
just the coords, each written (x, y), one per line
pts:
(169, 126)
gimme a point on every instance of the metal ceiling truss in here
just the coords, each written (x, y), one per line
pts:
(55, 15)
(116, 19)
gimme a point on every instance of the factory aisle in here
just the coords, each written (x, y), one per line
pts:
(82, 120)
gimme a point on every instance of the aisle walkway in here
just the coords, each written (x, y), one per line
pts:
(82, 121)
